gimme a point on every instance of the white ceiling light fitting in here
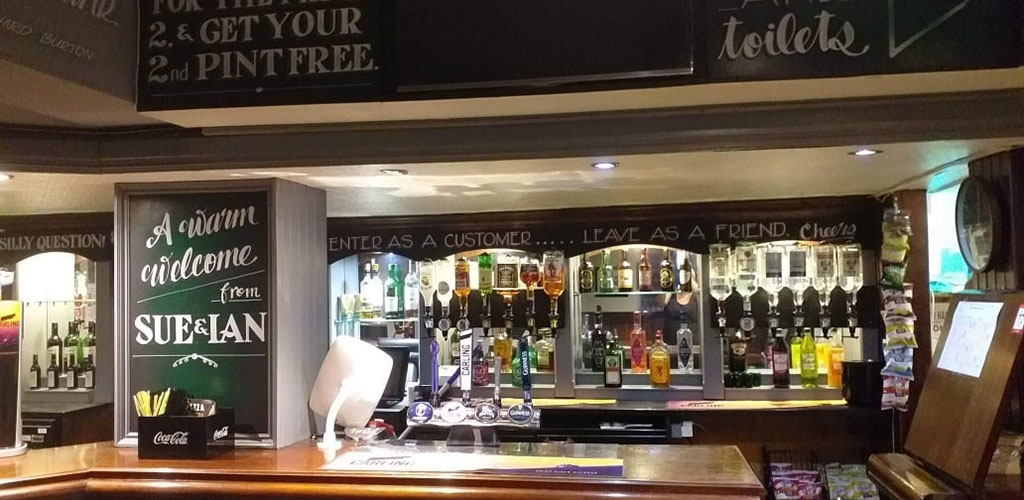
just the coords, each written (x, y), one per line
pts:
(604, 165)
(394, 171)
(5, 177)
(865, 152)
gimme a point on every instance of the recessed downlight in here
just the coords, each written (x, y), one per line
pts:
(5, 177)
(394, 171)
(604, 165)
(865, 152)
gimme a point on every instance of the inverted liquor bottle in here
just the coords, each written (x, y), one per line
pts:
(462, 287)
(554, 281)
(427, 288)
(851, 279)
(637, 345)
(485, 282)
(529, 274)
(661, 374)
(644, 275)
(798, 282)
(625, 273)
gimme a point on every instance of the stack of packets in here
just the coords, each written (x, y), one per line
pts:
(849, 482)
(897, 312)
(792, 484)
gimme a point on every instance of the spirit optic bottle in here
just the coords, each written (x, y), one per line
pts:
(780, 362)
(394, 295)
(606, 280)
(485, 280)
(35, 373)
(598, 341)
(644, 276)
(588, 280)
(612, 363)
(625, 273)
(685, 338)
(52, 373)
(686, 276)
(54, 347)
(462, 288)
(659, 361)
(554, 280)
(637, 346)
(506, 278)
(666, 276)
(412, 293)
(808, 362)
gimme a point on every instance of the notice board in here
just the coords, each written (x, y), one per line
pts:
(960, 413)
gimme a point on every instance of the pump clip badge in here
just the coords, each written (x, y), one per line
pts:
(421, 412)
(520, 414)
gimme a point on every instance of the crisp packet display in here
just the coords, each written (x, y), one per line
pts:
(794, 484)
(849, 482)
(895, 392)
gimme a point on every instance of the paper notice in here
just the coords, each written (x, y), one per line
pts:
(970, 335)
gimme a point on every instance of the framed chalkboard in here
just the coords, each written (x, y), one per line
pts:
(215, 53)
(193, 305)
(466, 44)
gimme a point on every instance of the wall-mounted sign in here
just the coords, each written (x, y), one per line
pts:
(10, 355)
(197, 314)
(88, 235)
(461, 44)
(90, 42)
(224, 53)
(780, 39)
(689, 227)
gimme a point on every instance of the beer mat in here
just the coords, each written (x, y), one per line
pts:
(399, 460)
(751, 405)
(551, 403)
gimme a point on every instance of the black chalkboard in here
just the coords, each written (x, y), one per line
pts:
(460, 44)
(198, 300)
(783, 39)
(223, 53)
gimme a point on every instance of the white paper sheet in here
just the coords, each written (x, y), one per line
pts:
(970, 336)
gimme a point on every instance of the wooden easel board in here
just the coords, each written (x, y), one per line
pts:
(961, 409)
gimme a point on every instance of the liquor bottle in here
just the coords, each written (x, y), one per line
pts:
(529, 271)
(485, 280)
(599, 341)
(685, 339)
(587, 277)
(532, 351)
(645, 280)
(835, 360)
(587, 342)
(412, 293)
(545, 351)
(89, 341)
(70, 346)
(480, 375)
(428, 285)
(503, 349)
(376, 290)
(738, 353)
(89, 373)
(554, 280)
(394, 294)
(794, 350)
(54, 346)
(808, 362)
(637, 346)
(606, 278)
(686, 276)
(52, 373)
(659, 362)
(79, 354)
(365, 301)
(462, 284)
(821, 353)
(506, 274)
(780, 362)
(666, 276)
(612, 362)
(625, 273)
(444, 275)
(35, 373)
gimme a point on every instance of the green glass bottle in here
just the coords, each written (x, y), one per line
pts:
(612, 362)
(606, 282)
(808, 362)
(517, 371)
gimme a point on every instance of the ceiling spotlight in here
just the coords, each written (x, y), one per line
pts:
(604, 165)
(5, 177)
(865, 152)
(394, 171)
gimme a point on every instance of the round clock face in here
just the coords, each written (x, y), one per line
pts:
(978, 224)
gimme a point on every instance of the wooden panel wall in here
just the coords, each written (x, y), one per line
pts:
(1005, 173)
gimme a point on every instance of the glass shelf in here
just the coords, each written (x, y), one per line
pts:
(623, 294)
(375, 321)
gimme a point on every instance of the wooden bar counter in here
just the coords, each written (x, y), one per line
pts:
(101, 471)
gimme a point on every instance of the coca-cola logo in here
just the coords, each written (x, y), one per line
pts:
(179, 438)
(220, 433)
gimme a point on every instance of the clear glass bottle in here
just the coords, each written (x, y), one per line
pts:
(684, 337)
(606, 281)
(644, 275)
(376, 293)
(412, 293)
(666, 274)
(444, 274)
(625, 273)
(637, 345)
(428, 285)
(545, 351)
(661, 373)
(394, 294)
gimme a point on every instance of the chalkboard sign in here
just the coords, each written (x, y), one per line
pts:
(223, 53)
(198, 313)
(780, 39)
(460, 44)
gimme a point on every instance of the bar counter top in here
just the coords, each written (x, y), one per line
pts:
(102, 471)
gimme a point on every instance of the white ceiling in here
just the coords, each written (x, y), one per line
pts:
(554, 183)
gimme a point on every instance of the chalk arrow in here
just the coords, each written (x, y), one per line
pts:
(896, 48)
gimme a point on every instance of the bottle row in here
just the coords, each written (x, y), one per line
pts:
(71, 358)
(603, 353)
(805, 353)
(604, 278)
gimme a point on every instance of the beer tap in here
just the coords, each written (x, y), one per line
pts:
(427, 287)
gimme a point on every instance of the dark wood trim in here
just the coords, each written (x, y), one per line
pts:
(838, 122)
